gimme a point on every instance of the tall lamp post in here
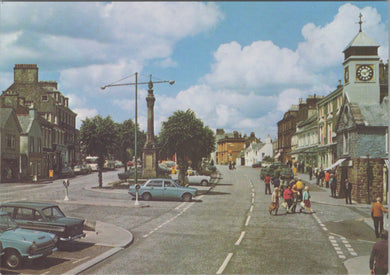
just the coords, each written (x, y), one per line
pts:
(136, 83)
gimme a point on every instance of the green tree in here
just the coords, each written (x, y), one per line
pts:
(125, 149)
(99, 137)
(184, 134)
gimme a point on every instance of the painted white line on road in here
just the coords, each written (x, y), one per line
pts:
(77, 261)
(180, 205)
(251, 209)
(253, 200)
(225, 263)
(247, 220)
(342, 257)
(240, 238)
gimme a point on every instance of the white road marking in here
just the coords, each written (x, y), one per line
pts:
(247, 220)
(240, 239)
(81, 259)
(225, 263)
(251, 209)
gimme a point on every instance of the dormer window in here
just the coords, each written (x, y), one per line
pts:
(44, 98)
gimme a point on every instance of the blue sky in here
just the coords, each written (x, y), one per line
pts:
(238, 65)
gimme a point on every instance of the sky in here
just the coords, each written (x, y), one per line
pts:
(238, 65)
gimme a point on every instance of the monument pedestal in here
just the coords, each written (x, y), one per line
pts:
(150, 163)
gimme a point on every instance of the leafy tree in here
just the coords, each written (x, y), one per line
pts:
(184, 134)
(99, 137)
(126, 138)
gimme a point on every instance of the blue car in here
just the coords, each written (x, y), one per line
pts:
(20, 244)
(163, 189)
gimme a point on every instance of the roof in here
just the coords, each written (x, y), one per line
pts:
(25, 123)
(362, 40)
(5, 113)
(371, 115)
(38, 205)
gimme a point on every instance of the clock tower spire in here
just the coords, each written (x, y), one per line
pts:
(361, 69)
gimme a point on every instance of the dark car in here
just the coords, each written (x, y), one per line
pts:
(67, 172)
(44, 217)
(286, 174)
(257, 164)
(129, 173)
(273, 170)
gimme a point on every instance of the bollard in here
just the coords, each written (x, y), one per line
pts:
(137, 187)
(66, 184)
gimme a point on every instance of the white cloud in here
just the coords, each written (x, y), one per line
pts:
(83, 113)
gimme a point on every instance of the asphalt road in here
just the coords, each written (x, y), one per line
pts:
(226, 230)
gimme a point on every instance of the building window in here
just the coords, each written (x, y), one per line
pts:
(345, 142)
(44, 98)
(39, 145)
(329, 133)
(387, 140)
(11, 141)
(31, 145)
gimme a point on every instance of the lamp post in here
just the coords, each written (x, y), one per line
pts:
(136, 83)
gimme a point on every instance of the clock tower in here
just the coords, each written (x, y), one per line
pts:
(361, 70)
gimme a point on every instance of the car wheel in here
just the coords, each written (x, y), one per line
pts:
(146, 196)
(204, 183)
(13, 259)
(187, 197)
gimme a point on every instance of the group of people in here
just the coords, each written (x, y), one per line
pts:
(292, 193)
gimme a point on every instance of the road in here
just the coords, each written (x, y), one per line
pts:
(226, 230)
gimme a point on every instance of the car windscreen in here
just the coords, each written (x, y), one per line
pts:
(6, 223)
(53, 213)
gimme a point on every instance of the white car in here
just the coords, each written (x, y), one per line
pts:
(193, 177)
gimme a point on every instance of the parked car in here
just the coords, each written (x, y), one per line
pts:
(193, 177)
(82, 169)
(66, 172)
(257, 164)
(129, 173)
(118, 164)
(109, 165)
(44, 217)
(286, 174)
(163, 189)
(272, 169)
(21, 244)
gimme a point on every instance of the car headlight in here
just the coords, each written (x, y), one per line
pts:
(33, 248)
(55, 240)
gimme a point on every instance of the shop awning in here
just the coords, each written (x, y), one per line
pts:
(337, 163)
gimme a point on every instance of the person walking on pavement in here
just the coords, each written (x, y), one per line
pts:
(267, 181)
(333, 185)
(348, 191)
(377, 211)
(321, 176)
(379, 256)
(306, 200)
(294, 170)
(274, 201)
(310, 170)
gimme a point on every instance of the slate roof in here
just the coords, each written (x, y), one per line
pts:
(25, 122)
(362, 40)
(4, 116)
(371, 115)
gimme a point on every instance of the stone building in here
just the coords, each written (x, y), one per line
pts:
(229, 147)
(56, 119)
(9, 145)
(362, 127)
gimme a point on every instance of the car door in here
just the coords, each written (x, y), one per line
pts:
(170, 190)
(29, 218)
(155, 188)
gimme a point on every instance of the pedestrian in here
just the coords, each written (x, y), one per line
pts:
(379, 255)
(287, 196)
(322, 176)
(377, 211)
(348, 191)
(267, 181)
(299, 185)
(333, 185)
(274, 201)
(306, 200)
(327, 179)
(276, 182)
(317, 175)
(294, 189)
(310, 170)
(294, 170)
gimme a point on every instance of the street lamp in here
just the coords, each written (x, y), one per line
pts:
(136, 83)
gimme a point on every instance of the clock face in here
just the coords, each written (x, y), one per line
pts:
(364, 72)
(346, 75)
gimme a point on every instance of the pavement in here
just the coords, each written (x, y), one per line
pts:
(356, 265)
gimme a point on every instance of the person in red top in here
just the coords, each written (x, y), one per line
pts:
(377, 211)
(267, 181)
(288, 197)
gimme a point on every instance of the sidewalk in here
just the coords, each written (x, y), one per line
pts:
(356, 265)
